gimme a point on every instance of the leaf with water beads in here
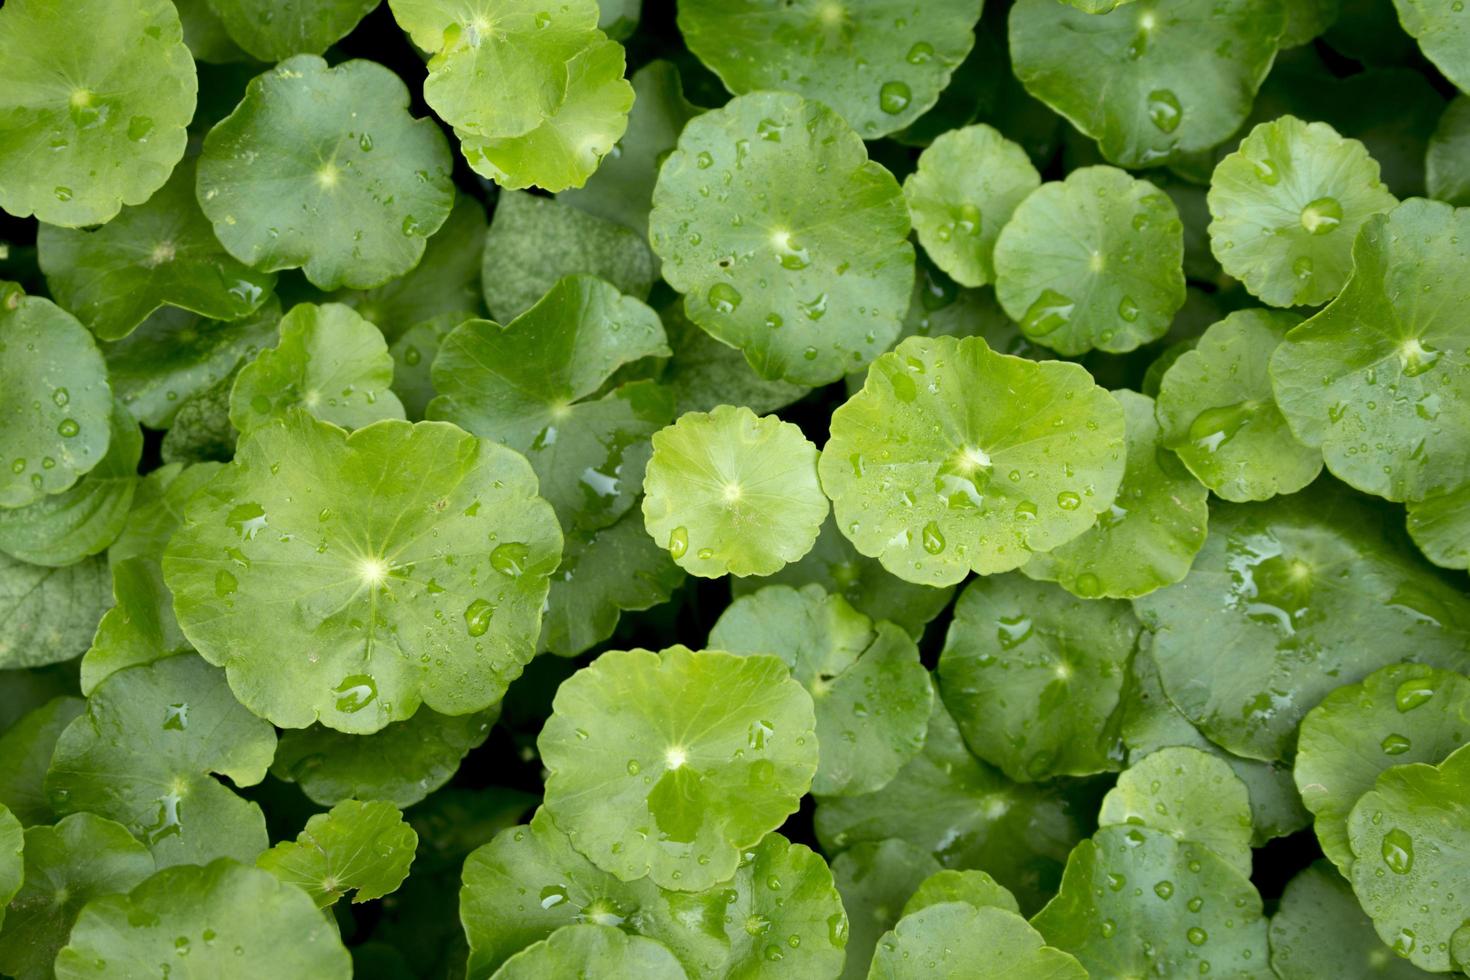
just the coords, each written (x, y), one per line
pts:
(329, 362)
(273, 30)
(784, 238)
(1287, 205)
(1136, 902)
(413, 356)
(872, 695)
(55, 402)
(220, 916)
(780, 914)
(1032, 675)
(324, 169)
(967, 184)
(145, 754)
(428, 593)
(1217, 413)
(531, 386)
(105, 130)
(1440, 526)
(1380, 379)
(48, 615)
(1320, 571)
(1148, 81)
(1402, 714)
(704, 373)
(706, 754)
(962, 940)
(1094, 261)
(730, 493)
(161, 253)
(970, 886)
(935, 481)
(587, 949)
(1409, 836)
(880, 67)
(1439, 27)
(363, 848)
(875, 879)
(1319, 930)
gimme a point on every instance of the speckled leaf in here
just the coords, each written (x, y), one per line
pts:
(25, 755)
(47, 615)
(784, 238)
(712, 749)
(324, 609)
(12, 868)
(1440, 526)
(876, 878)
(961, 940)
(201, 430)
(273, 30)
(1319, 930)
(363, 848)
(323, 169)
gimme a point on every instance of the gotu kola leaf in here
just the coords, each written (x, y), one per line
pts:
(971, 886)
(962, 940)
(48, 615)
(364, 848)
(587, 949)
(1442, 35)
(1440, 526)
(1320, 930)
(25, 754)
(322, 605)
(273, 30)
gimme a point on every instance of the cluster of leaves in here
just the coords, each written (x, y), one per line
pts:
(410, 488)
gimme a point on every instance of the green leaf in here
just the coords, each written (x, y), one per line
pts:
(968, 815)
(961, 940)
(967, 185)
(934, 483)
(48, 615)
(876, 878)
(769, 217)
(1136, 901)
(81, 858)
(160, 253)
(413, 356)
(728, 492)
(872, 695)
(158, 510)
(401, 764)
(1401, 714)
(330, 362)
(1287, 205)
(1191, 795)
(1033, 675)
(205, 34)
(64, 528)
(1319, 930)
(12, 844)
(622, 188)
(1149, 80)
(940, 308)
(96, 95)
(1409, 836)
(529, 881)
(201, 431)
(140, 627)
(704, 373)
(1308, 19)
(54, 399)
(209, 912)
(273, 30)
(1094, 261)
(25, 755)
(972, 887)
(1440, 526)
(1383, 365)
(323, 169)
(1442, 36)
(145, 754)
(1217, 413)
(1307, 592)
(536, 241)
(1149, 536)
(880, 66)
(174, 356)
(1446, 169)
(711, 749)
(604, 573)
(427, 592)
(588, 949)
(531, 386)
(364, 848)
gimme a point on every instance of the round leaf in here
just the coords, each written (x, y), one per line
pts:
(971, 886)
(872, 695)
(784, 238)
(1287, 205)
(704, 373)
(1216, 411)
(94, 98)
(48, 615)
(209, 912)
(1094, 261)
(876, 878)
(934, 482)
(961, 940)
(411, 560)
(364, 848)
(1440, 526)
(880, 66)
(54, 400)
(140, 628)
(323, 169)
(588, 950)
(273, 30)
(1033, 675)
(1442, 35)
(1319, 930)
(1149, 536)
(704, 755)
(25, 753)
(727, 492)
(1402, 714)
(1378, 378)
(967, 184)
(1137, 902)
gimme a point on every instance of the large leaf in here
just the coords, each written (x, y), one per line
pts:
(588, 950)
(961, 940)
(1319, 930)
(273, 30)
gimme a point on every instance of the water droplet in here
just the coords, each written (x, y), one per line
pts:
(139, 127)
(724, 298)
(225, 584)
(932, 538)
(355, 692)
(1398, 851)
(1394, 744)
(1196, 936)
(1416, 357)
(63, 193)
(68, 428)
(552, 896)
(921, 53)
(1303, 267)
(1164, 889)
(678, 542)
(365, 143)
(176, 717)
(1322, 216)
(704, 161)
(1411, 694)
(1127, 309)
(1116, 882)
(477, 617)
(633, 767)
(1049, 312)
(1164, 110)
(61, 397)
(1088, 586)
(894, 97)
(1067, 500)
(411, 355)
(509, 559)
(1216, 426)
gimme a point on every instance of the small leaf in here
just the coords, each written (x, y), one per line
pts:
(589, 949)
(48, 615)
(971, 886)
(364, 848)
